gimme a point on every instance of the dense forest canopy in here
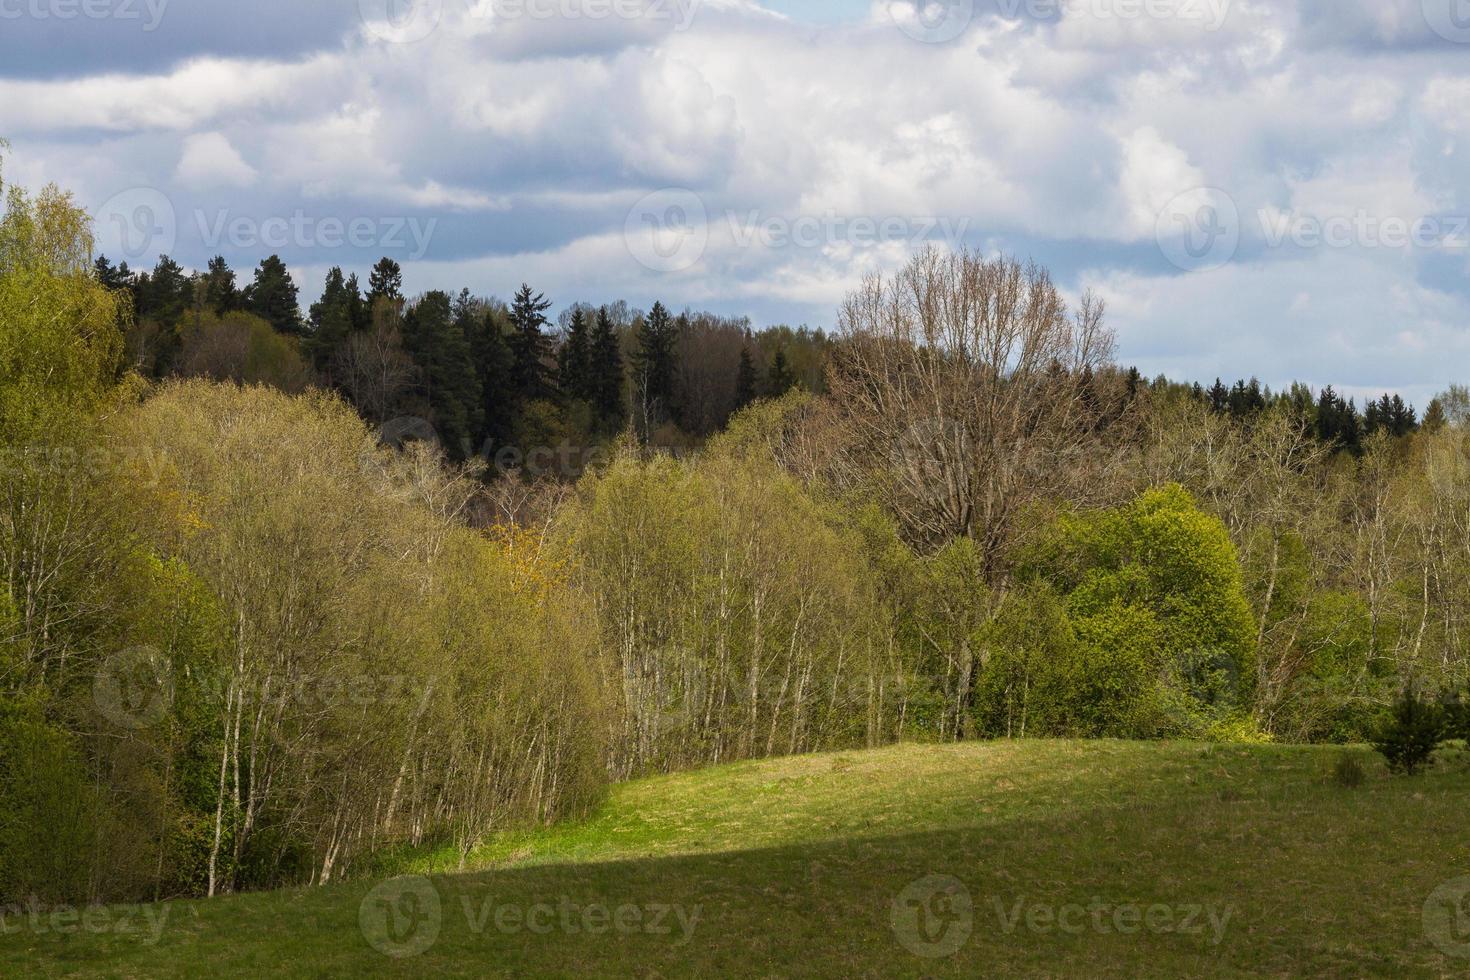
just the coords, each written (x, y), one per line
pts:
(288, 592)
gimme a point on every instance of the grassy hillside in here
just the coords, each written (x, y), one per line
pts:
(1041, 858)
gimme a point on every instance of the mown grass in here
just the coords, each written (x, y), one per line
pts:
(793, 867)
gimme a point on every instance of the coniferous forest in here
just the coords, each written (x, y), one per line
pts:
(291, 592)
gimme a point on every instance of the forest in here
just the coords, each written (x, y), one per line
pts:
(290, 594)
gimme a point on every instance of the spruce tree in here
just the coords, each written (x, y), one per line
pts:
(332, 319)
(574, 360)
(493, 366)
(386, 280)
(436, 341)
(220, 292)
(529, 345)
(745, 379)
(607, 373)
(272, 296)
(655, 364)
(782, 379)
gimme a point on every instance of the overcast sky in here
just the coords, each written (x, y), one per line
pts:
(1270, 187)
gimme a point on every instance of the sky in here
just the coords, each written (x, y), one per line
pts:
(1277, 188)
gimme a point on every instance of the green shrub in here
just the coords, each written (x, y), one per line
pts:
(1408, 738)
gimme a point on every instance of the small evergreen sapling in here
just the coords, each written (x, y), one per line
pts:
(1411, 734)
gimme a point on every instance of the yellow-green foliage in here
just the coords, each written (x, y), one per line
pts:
(394, 676)
(1135, 622)
(60, 346)
(739, 614)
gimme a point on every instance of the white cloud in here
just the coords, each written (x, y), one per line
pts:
(1063, 140)
(210, 161)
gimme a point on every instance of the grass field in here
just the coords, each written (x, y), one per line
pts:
(1031, 858)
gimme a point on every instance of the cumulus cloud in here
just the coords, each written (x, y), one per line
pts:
(1057, 129)
(210, 161)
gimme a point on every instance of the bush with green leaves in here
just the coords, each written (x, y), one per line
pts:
(1131, 623)
(1413, 730)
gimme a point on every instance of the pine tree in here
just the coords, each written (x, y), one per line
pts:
(493, 366)
(435, 339)
(332, 319)
(1434, 417)
(220, 292)
(574, 360)
(607, 373)
(272, 296)
(1219, 397)
(782, 379)
(110, 276)
(655, 365)
(529, 345)
(745, 379)
(386, 280)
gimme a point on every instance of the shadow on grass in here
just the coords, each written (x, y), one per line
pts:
(1320, 883)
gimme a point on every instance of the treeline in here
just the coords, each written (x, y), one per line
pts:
(482, 374)
(246, 640)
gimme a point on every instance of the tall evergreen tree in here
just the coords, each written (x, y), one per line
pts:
(745, 379)
(1219, 397)
(529, 345)
(493, 367)
(782, 379)
(111, 276)
(386, 280)
(574, 360)
(435, 339)
(332, 319)
(607, 373)
(220, 293)
(272, 296)
(655, 365)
